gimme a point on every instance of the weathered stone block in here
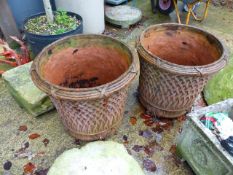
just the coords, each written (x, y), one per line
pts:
(200, 147)
(99, 158)
(23, 90)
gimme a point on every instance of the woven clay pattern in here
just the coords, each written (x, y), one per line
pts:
(163, 93)
(167, 89)
(92, 119)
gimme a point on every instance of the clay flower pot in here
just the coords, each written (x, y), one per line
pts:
(87, 78)
(176, 63)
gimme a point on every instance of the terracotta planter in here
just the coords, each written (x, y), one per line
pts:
(176, 63)
(87, 78)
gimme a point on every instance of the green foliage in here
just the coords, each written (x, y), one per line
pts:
(62, 23)
(63, 19)
(220, 87)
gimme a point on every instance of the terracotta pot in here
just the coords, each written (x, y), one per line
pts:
(87, 78)
(176, 63)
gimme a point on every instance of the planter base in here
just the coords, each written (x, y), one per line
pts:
(160, 112)
(97, 136)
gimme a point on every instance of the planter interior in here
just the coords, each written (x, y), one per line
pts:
(75, 65)
(181, 46)
(85, 66)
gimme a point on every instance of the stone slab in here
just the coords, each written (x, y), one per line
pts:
(123, 15)
(23, 90)
(200, 147)
(99, 158)
(115, 2)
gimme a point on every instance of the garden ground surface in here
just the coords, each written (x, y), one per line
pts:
(53, 139)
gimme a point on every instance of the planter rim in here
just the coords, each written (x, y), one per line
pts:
(43, 35)
(97, 92)
(182, 69)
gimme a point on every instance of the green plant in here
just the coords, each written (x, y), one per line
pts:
(11, 57)
(53, 23)
(62, 23)
(63, 19)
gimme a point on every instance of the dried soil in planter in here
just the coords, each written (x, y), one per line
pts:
(181, 47)
(85, 67)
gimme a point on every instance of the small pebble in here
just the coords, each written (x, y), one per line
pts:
(41, 172)
(7, 165)
(158, 137)
(34, 136)
(26, 144)
(137, 148)
(23, 128)
(77, 142)
(149, 165)
(125, 138)
(46, 142)
(146, 133)
(158, 129)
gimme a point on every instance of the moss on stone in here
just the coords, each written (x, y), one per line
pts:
(99, 158)
(23, 90)
(220, 87)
